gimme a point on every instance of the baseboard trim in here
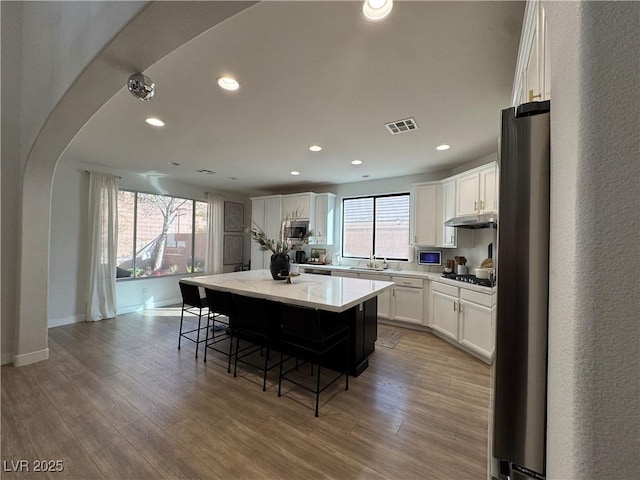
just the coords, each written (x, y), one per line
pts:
(6, 358)
(29, 358)
(58, 322)
(147, 305)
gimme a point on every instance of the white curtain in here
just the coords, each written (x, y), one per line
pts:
(216, 227)
(103, 243)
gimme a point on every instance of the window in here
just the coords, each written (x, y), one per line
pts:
(160, 235)
(376, 225)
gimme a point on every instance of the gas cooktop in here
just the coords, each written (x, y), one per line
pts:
(484, 282)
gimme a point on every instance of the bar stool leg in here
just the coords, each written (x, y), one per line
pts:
(181, 319)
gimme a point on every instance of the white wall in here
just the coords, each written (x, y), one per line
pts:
(594, 318)
(37, 69)
(69, 243)
(64, 90)
(11, 13)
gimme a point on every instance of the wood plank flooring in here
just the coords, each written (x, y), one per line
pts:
(118, 400)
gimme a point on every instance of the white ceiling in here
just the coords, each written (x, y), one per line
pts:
(318, 73)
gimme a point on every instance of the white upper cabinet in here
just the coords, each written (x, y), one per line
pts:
(425, 214)
(265, 213)
(532, 78)
(324, 219)
(304, 203)
(476, 191)
(488, 188)
(467, 194)
(449, 209)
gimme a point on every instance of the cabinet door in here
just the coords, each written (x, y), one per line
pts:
(272, 217)
(476, 328)
(467, 194)
(384, 299)
(425, 215)
(488, 199)
(444, 314)
(546, 82)
(449, 233)
(407, 304)
(532, 68)
(291, 203)
(320, 226)
(257, 218)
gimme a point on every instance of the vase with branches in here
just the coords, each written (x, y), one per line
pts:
(281, 246)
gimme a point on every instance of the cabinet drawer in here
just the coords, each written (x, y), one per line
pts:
(476, 297)
(407, 282)
(446, 289)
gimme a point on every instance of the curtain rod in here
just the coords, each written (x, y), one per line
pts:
(100, 173)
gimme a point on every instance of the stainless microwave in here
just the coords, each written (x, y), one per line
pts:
(429, 257)
(297, 231)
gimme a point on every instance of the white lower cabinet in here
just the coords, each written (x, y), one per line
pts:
(384, 299)
(407, 300)
(476, 328)
(466, 317)
(444, 315)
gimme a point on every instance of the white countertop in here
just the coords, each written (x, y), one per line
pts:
(335, 294)
(436, 277)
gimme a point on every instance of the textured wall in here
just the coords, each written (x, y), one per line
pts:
(594, 336)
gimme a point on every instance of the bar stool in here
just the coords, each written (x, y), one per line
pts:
(194, 304)
(220, 306)
(310, 333)
(253, 322)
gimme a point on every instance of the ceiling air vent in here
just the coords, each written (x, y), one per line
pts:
(204, 170)
(402, 126)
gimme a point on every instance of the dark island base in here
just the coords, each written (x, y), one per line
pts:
(363, 323)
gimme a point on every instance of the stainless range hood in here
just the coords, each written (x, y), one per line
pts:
(483, 220)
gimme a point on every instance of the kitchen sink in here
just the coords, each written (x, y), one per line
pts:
(377, 269)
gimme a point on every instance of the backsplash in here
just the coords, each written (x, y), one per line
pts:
(475, 255)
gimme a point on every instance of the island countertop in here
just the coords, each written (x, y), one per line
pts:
(335, 294)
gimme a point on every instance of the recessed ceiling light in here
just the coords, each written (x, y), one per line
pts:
(175, 164)
(156, 122)
(366, 176)
(356, 162)
(205, 171)
(444, 146)
(295, 173)
(315, 148)
(233, 178)
(228, 83)
(377, 9)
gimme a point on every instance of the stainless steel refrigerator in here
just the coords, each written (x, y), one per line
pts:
(520, 368)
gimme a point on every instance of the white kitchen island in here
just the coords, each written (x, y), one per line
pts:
(353, 300)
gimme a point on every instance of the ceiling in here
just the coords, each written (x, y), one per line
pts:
(317, 73)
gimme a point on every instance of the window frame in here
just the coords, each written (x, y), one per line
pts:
(374, 197)
(135, 233)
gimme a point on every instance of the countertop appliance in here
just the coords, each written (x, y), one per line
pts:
(301, 257)
(429, 257)
(520, 369)
(485, 282)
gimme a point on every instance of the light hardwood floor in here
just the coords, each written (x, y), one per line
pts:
(118, 400)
